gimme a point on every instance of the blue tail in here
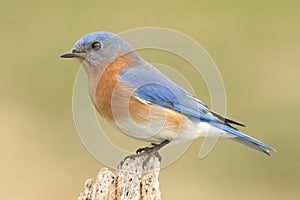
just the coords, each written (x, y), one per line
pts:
(245, 139)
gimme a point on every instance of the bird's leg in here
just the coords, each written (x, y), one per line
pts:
(154, 147)
(148, 152)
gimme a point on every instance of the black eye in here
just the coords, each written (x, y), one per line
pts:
(96, 45)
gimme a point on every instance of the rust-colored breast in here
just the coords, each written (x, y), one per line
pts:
(107, 87)
(107, 84)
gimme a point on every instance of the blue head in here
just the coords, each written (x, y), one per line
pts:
(98, 47)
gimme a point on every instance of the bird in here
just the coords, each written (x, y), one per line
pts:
(140, 101)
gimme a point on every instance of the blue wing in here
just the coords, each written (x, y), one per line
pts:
(154, 87)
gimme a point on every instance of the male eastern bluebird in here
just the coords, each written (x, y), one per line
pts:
(140, 101)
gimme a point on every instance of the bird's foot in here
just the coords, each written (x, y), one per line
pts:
(147, 152)
(143, 156)
(153, 148)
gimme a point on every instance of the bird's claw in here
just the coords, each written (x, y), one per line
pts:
(147, 152)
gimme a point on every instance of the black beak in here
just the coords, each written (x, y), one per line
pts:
(68, 54)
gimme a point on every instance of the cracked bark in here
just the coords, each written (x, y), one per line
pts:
(134, 180)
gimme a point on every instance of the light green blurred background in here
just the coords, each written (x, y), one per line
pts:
(255, 45)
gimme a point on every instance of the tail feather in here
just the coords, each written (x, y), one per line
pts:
(245, 139)
(264, 149)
